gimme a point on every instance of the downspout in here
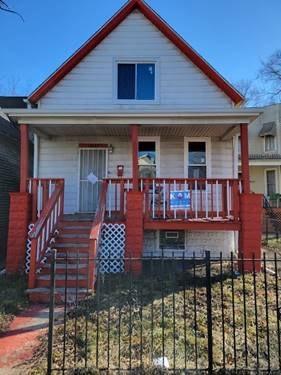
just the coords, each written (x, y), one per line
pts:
(36, 155)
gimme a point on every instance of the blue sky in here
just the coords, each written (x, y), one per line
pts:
(233, 35)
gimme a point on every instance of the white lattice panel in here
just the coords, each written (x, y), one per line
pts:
(28, 249)
(112, 248)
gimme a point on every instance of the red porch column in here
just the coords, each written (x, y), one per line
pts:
(134, 231)
(250, 234)
(250, 210)
(134, 130)
(20, 211)
(19, 218)
(245, 158)
(24, 156)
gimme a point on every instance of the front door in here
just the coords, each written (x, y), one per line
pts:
(92, 170)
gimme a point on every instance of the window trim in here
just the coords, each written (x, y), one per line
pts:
(171, 250)
(269, 151)
(207, 141)
(141, 60)
(265, 179)
(155, 139)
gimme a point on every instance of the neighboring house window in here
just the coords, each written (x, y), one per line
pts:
(269, 143)
(197, 159)
(147, 159)
(136, 81)
(270, 182)
(172, 240)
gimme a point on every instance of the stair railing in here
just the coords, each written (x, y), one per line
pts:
(96, 231)
(44, 229)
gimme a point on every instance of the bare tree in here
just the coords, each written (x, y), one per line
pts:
(5, 7)
(253, 95)
(270, 73)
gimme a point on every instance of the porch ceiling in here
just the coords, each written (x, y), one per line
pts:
(219, 123)
(225, 131)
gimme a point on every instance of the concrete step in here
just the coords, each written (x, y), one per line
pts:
(72, 240)
(43, 281)
(72, 245)
(79, 217)
(75, 230)
(72, 268)
(73, 235)
(71, 224)
(42, 295)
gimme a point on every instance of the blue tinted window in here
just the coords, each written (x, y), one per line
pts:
(145, 81)
(136, 81)
(126, 81)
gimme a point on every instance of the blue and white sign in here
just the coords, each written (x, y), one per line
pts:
(180, 199)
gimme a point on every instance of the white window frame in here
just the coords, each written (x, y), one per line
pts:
(79, 168)
(276, 179)
(157, 149)
(171, 250)
(142, 60)
(264, 145)
(207, 141)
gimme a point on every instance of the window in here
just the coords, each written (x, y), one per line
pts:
(172, 240)
(197, 160)
(270, 182)
(269, 143)
(147, 159)
(136, 81)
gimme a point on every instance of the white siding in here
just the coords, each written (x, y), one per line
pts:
(59, 157)
(197, 242)
(90, 85)
(222, 159)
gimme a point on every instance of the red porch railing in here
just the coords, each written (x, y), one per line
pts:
(41, 190)
(209, 199)
(45, 226)
(96, 230)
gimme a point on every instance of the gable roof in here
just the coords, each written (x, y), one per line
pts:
(162, 26)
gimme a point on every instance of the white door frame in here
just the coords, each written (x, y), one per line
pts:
(79, 168)
(207, 140)
(155, 139)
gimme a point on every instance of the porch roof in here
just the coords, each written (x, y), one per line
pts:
(221, 123)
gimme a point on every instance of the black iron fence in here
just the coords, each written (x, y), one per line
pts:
(176, 314)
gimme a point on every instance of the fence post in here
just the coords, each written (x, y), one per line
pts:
(51, 313)
(209, 312)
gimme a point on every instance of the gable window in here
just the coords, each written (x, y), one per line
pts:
(147, 154)
(269, 143)
(196, 158)
(172, 240)
(136, 81)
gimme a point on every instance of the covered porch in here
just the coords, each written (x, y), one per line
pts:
(189, 180)
(193, 152)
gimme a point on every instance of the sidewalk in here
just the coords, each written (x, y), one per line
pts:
(18, 343)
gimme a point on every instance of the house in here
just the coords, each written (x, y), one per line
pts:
(265, 153)
(139, 129)
(9, 165)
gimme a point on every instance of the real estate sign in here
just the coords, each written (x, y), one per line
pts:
(180, 199)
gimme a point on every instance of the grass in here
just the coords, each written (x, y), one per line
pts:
(12, 299)
(273, 244)
(129, 319)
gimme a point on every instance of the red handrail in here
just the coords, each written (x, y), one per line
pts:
(44, 229)
(96, 230)
(41, 190)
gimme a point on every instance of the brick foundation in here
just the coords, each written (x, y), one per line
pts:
(134, 230)
(251, 229)
(19, 217)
